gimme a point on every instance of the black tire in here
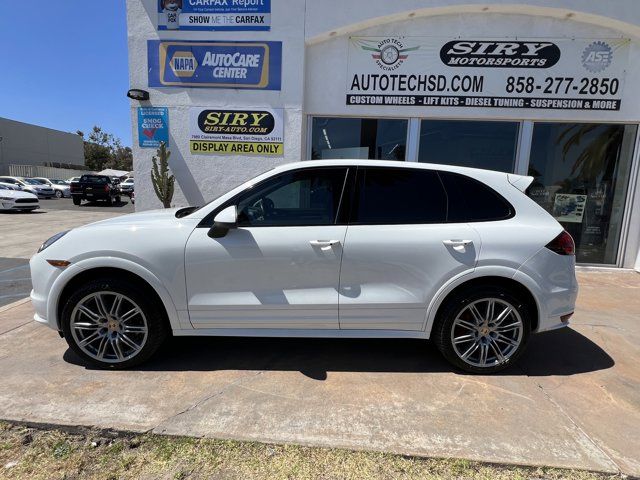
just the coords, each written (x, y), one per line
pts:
(77, 200)
(156, 320)
(118, 199)
(442, 330)
(109, 201)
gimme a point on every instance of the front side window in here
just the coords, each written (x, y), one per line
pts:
(299, 198)
(363, 138)
(399, 196)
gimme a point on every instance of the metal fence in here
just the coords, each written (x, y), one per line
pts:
(46, 172)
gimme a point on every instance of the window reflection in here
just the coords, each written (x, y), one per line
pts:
(581, 173)
(490, 145)
(380, 139)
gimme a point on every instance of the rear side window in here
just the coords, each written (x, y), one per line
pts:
(92, 179)
(398, 196)
(473, 201)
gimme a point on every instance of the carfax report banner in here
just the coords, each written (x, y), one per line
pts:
(212, 15)
(250, 65)
(540, 73)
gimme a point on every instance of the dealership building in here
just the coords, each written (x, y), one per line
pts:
(542, 88)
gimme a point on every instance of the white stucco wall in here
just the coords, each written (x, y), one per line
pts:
(199, 178)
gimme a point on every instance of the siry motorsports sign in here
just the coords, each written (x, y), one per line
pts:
(246, 65)
(219, 131)
(541, 73)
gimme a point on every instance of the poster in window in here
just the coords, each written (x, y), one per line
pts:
(569, 208)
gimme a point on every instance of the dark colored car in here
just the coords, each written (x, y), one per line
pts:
(96, 187)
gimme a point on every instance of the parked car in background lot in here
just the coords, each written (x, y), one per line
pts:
(10, 186)
(96, 187)
(31, 186)
(339, 248)
(60, 188)
(12, 199)
(127, 187)
(72, 179)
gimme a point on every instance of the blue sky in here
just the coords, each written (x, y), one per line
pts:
(64, 65)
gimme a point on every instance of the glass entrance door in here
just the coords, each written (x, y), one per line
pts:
(581, 173)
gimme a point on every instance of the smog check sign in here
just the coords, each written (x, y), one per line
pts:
(219, 131)
(242, 65)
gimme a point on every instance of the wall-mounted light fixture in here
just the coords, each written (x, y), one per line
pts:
(137, 94)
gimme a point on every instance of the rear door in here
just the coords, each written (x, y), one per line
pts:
(399, 249)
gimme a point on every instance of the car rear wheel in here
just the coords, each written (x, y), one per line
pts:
(77, 201)
(483, 330)
(112, 323)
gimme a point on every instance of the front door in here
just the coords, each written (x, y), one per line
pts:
(400, 249)
(280, 268)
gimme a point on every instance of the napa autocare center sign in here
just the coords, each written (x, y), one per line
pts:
(212, 15)
(258, 131)
(243, 65)
(536, 73)
(153, 126)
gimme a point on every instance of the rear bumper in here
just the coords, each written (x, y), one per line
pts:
(554, 285)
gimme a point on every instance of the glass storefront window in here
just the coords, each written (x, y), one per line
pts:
(490, 145)
(379, 139)
(581, 173)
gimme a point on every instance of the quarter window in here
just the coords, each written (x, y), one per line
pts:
(473, 201)
(399, 196)
(299, 198)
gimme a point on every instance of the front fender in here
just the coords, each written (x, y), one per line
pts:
(112, 262)
(478, 272)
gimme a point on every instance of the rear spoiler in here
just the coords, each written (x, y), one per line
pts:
(521, 182)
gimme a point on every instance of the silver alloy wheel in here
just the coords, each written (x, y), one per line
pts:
(109, 327)
(487, 332)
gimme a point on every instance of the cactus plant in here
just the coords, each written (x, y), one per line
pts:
(162, 182)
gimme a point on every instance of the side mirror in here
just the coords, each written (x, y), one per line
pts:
(223, 222)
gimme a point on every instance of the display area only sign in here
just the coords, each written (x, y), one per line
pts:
(214, 15)
(538, 73)
(219, 131)
(247, 65)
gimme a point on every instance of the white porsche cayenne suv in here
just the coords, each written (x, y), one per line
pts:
(339, 248)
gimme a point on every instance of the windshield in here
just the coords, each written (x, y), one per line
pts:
(31, 181)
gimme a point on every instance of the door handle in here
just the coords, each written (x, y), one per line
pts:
(458, 245)
(324, 244)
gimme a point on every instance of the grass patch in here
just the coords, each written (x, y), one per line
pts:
(49, 454)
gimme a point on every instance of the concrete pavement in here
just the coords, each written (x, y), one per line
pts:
(573, 400)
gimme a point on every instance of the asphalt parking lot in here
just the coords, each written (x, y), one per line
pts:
(573, 399)
(22, 233)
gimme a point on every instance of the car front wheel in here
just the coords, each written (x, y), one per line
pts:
(113, 323)
(59, 194)
(483, 330)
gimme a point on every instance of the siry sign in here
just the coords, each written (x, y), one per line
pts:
(541, 73)
(237, 132)
(466, 53)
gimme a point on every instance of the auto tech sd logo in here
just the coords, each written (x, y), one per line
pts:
(499, 54)
(389, 53)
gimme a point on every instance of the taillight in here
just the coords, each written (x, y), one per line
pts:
(563, 244)
(106, 188)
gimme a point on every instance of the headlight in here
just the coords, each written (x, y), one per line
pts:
(6, 198)
(52, 240)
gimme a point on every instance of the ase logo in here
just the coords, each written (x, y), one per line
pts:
(597, 56)
(389, 53)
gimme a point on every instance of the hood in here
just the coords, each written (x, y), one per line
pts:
(16, 194)
(141, 218)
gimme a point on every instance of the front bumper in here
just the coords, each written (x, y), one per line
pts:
(43, 277)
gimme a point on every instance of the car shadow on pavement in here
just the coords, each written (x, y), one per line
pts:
(562, 352)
